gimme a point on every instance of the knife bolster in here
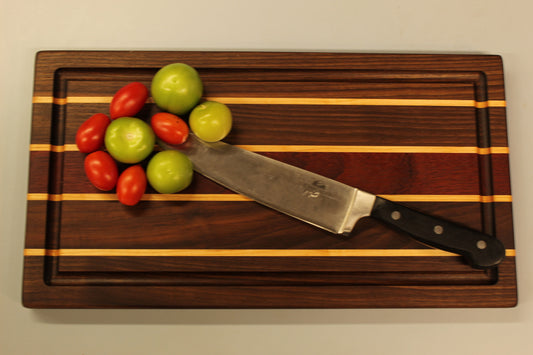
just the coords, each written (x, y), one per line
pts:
(362, 204)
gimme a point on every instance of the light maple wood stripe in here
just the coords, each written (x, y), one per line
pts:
(356, 102)
(89, 99)
(237, 197)
(146, 197)
(293, 101)
(49, 100)
(494, 150)
(247, 252)
(374, 149)
(448, 198)
(42, 100)
(195, 197)
(71, 148)
(37, 197)
(494, 103)
(49, 148)
(323, 149)
(502, 198)
(76, 100)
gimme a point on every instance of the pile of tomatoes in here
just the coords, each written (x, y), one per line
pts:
(121, 137)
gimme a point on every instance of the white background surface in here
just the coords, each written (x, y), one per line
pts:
(421, 26)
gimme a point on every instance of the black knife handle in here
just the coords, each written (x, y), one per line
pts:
(480, 250)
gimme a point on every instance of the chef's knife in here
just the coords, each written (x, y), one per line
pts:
(327, 203)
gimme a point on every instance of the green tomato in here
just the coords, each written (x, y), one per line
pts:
(211, 121)
(169, 171)
(129, 139)
(176, 88)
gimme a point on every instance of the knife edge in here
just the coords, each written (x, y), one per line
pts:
(301, 194)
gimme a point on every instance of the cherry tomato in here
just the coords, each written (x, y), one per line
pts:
(177, 88)
(131, 185)
(129, 139)
(169, 128)
(101, 169)
(90, 135)
(128, 100)
(169, 171)
(211, 121)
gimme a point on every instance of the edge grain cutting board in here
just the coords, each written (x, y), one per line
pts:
(428, 131)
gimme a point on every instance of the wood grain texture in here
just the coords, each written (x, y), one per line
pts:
(426, 130)
(164, 295)
(368, 171)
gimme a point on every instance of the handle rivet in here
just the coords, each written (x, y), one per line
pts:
(438, 229)
(481, 244)
(396, 215)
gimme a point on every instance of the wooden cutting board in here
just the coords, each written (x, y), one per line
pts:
(428, 131)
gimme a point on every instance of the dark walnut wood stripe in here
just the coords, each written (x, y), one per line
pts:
(414, 292)
(214, 267)
(234, 227)
(129, 65)
(306, 125)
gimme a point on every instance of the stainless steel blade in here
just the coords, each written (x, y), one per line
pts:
(307, 196)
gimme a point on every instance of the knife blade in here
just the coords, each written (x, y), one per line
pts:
(329, 204)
